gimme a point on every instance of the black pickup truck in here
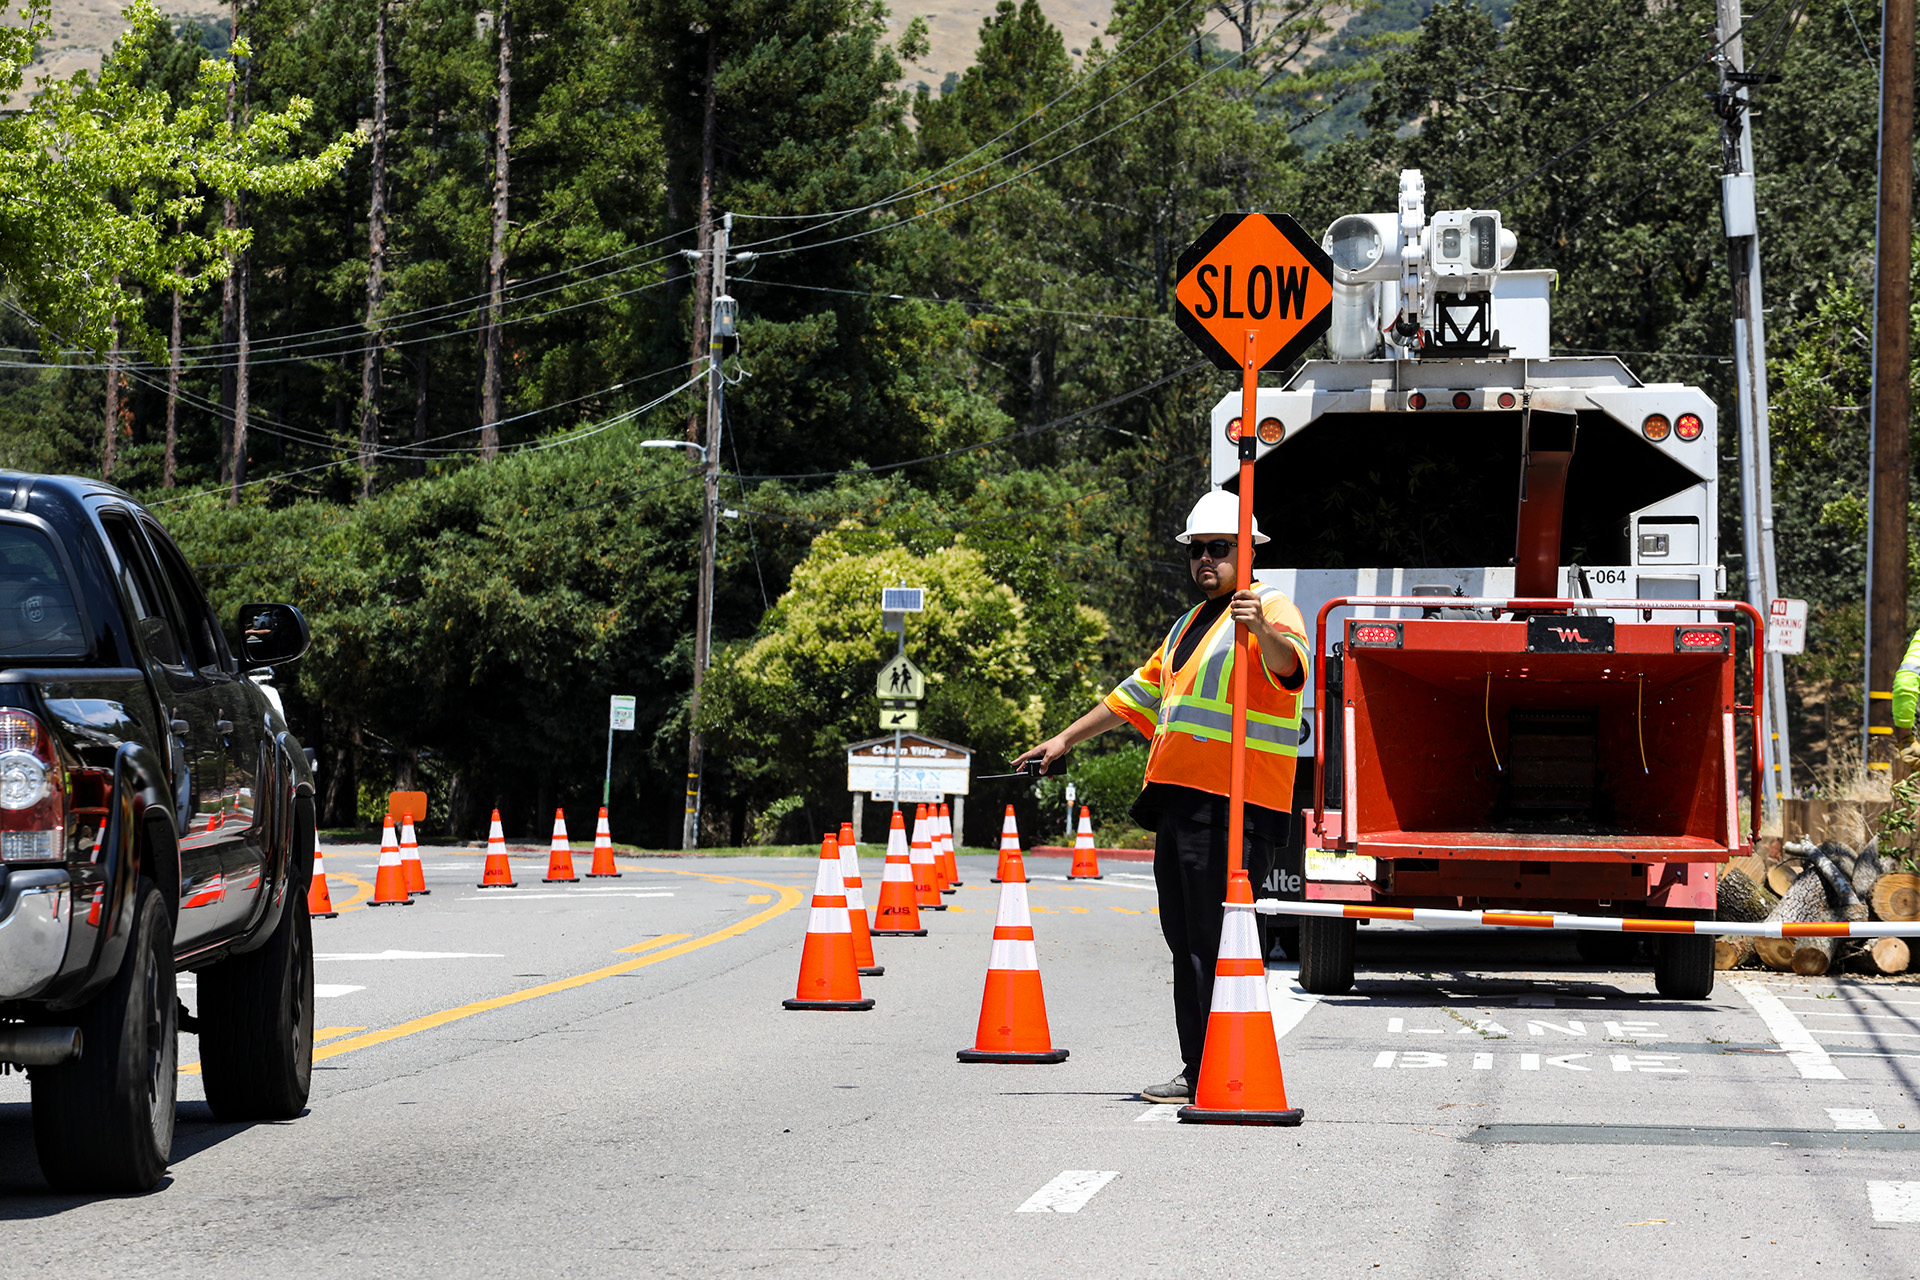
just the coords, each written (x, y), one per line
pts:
(156, 816)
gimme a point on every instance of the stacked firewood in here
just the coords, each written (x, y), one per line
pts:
(1830, 881)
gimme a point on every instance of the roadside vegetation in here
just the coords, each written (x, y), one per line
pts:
(956, 366)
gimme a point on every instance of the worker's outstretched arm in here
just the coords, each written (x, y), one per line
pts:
(1906, 686)
(1090, 725)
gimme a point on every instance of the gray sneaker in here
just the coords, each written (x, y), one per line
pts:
(1176, 1090)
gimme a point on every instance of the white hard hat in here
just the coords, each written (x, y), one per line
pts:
(1217, 512)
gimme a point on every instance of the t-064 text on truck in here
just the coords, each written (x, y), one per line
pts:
(1525, 697)
(155, 816)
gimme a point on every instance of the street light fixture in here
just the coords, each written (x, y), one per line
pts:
(676, 444)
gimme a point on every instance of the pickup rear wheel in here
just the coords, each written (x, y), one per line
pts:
(105, 1122)
(256, 1023)
(1326, 955)
(1684, 968)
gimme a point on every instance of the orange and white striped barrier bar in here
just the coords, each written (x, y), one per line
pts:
(1597, 924)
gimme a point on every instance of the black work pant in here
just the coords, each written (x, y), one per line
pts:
(1190, 870)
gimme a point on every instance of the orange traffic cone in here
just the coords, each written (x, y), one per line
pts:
(1013, 1009)
(1240, 1081)
(560, 859)
(319, 901)
(863, 956)
(948, 867)
(410, 857)
(1009, 845)
(829, 978)
(898, 915)
(926, 893)
(936, 851)
(499, 869)
(603, 866)
(1086, 859)
(390, 882)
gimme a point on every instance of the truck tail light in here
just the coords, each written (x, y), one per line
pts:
(1271, 431)
(1418, 400)
(1656, 427)
(32, 795)
(1688, 426)
(1373, 635)
(1702, 639)
(1507, 400)
(1461, 400)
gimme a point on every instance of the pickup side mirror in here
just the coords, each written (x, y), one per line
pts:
(272, 633)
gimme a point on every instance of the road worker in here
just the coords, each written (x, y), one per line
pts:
(1182, 700)
(1906, 691)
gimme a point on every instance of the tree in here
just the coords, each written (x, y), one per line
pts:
(781, 709)
(102, 174)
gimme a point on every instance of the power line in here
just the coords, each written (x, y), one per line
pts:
(996, 442)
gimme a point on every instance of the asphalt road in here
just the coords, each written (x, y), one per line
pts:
(599, 1080)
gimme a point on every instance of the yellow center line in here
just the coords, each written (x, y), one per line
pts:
(328, 1033)
(788, 899)
(656, 948)
(363, 891)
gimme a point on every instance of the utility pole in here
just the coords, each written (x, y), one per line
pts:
(709, 532)
(1892, 406)
(1735, 110)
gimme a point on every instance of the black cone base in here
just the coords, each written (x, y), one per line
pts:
(1201, 1115)
(604, 875)
(993, 880)
(984, 1055)
(511, 884)
(1072, 876)
(899, 933)
(847, 1005)
(873, 971)
(419, 893)
(561, 880)
(401, 902)
(323, 915)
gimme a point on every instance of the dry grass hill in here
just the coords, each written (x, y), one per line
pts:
(83, 30)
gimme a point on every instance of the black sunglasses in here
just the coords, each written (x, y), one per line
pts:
(1218, 548)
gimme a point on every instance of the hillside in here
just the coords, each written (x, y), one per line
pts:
(83, 30)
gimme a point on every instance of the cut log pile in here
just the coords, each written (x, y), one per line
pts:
(1809, 882)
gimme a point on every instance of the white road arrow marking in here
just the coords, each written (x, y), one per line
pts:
(1803, 1051)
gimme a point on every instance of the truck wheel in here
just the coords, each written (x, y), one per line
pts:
(105, 1122)
(1326, 955)
(1684, 968)
(256, 1023)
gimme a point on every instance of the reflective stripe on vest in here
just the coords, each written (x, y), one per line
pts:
(1207, 712)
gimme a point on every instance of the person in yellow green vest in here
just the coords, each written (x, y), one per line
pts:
(1906, 691)
(1181, 700)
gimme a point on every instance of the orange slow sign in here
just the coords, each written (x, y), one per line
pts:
(1253, 271)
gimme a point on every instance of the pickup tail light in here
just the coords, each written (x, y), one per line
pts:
(33, 798)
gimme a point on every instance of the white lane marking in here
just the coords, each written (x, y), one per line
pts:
(1483, 1062)
(1894, 1201)
(411, 955)
(541, 897)
(1384, 1059)
(1854, 1118)
(1889, 1004)
(1031, 878)
(1877, 1035)
(1803, 1051)
(1069, 1192)
(327, 990)
(1158, 1111)
(1850, 1013)
(1289, 1003)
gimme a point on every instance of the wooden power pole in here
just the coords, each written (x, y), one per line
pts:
(1892, 405)
(716, 263)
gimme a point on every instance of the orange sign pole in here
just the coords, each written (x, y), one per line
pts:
(1243, 573)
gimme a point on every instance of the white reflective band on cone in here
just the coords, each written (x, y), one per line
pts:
(1242, 993)
(896, 871)
(1013, 907)
(1239, 938)
(850, 877)
(1591, 924)
(1013, 953)
(829, 920)
(827, 882)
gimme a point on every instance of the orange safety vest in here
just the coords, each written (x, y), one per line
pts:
(1189, 717)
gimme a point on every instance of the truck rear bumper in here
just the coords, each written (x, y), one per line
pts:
(34, 919)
